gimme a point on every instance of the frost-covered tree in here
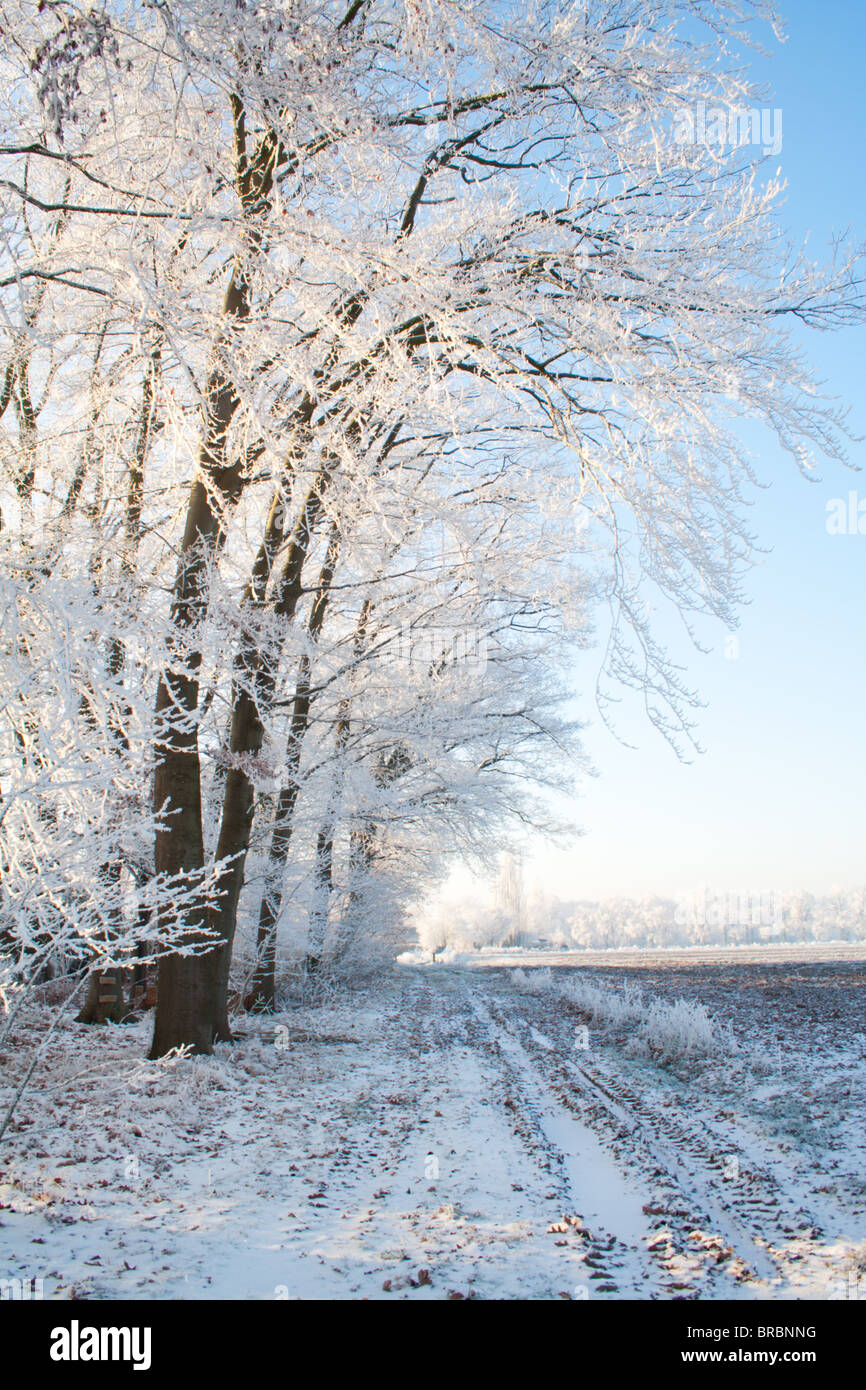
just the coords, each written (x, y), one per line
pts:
(333, 262)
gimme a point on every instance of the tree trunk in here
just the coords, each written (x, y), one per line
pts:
(324, 878)
(105, 1001)
(192, 1005)
(361, 856)
(322, 889)
(185, 1011)
(185, 1007)
(261, 993)
(252, 701)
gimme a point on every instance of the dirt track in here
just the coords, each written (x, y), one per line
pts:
(442, 1136)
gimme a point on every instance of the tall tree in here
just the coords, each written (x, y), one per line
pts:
(474, 230)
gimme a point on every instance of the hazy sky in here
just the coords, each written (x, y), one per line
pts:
(777, 799)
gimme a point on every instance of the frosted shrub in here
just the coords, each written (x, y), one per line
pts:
(536, 982)
(667, 1032)
(682, 1031)
(606, 1006)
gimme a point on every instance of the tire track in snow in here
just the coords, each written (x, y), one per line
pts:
(786, 1220)
(610, 1204)
(681, 1159)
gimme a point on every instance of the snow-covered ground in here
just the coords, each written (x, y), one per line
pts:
(454, 1133)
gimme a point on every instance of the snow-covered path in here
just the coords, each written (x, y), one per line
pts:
(438, 1137)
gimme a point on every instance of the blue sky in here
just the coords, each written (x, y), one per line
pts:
(778, 798)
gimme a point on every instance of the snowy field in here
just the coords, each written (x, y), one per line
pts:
(765, 953)
(660, 1131)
